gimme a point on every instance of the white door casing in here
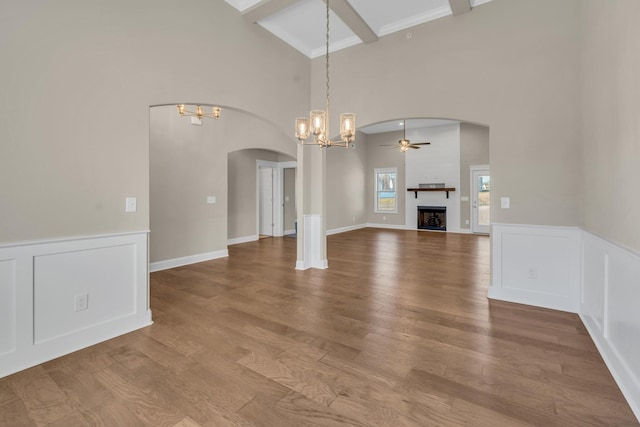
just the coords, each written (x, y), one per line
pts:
(480, 199)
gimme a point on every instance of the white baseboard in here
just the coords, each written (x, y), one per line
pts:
(245, 239)
(388, 226)
(345, 229)
(320, 264)
(192, 259)
(41, 281)
(463, 231)
(288, 232)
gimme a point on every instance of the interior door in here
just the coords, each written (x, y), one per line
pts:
(480, 201)
(266, 201)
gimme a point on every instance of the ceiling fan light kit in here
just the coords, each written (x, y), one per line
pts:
(404, 144)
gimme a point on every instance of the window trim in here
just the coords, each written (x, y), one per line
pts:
(377, 171)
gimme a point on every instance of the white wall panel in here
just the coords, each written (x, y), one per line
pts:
(594, 261)
(38, 285)
(623, 322)
(536, 265)
(106, 275)
(7, 306)
(312, 234)
(609, 309)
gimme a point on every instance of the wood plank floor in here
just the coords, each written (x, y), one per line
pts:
(397, 332)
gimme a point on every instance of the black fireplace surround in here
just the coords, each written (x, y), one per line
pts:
(432, 218)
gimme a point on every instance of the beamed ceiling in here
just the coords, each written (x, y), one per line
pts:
(301, 23)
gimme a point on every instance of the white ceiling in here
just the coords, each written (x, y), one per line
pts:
(302, 23)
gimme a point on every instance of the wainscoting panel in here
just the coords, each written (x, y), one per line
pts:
(536, 265)
(7, 306)
(312, 234)
(106, 276)
(609, 309)
(40, 283)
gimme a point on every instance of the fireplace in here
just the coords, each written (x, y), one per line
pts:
(432, 218)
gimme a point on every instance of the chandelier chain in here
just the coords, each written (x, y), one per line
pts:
(327, 62)
(318, 121)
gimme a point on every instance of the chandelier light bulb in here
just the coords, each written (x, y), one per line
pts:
(302, 128)
(318, 121)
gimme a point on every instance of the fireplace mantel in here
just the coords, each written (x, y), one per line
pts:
(447, 189)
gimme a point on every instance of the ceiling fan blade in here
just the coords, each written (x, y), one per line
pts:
(388, 145)
(421, 143)
(413, 146)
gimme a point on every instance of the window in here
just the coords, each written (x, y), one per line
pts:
(386, 190)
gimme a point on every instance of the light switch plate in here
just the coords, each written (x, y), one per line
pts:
(131, 204)
(505, 202)
(464, 198)
(211, 199)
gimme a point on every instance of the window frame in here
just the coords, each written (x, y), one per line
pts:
(376, 172)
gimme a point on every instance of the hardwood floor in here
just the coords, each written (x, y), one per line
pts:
(397, 332)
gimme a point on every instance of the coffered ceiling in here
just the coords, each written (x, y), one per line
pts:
(301, 23)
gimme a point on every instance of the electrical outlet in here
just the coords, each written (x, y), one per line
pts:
(354, 219)
(533, 273)
(131, 204)
(81, 302)
(466, 222)
(384, 218)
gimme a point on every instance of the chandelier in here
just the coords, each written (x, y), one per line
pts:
(317, 123)
(199, 113)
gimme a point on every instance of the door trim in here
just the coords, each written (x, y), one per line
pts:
(278, 194)
(472, 212)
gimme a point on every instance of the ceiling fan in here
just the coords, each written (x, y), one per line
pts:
(404, 144)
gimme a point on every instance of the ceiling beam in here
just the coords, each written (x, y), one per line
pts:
(458, 7)
(265, 8)
(354, 21)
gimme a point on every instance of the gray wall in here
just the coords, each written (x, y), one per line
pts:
(189, 163)
(289, 199)
(243, 191)
(384, 157)
(185, 168)
(610, 120)
(511, 65)
(80, 77)
(474, 150)
(88, 72)
(345, 183)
